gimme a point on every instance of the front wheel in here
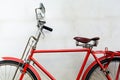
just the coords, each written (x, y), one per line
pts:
(8, 68)
(113, 70)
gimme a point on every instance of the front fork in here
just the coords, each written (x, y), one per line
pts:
(24, 71)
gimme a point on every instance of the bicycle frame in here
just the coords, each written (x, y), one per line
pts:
(87, 50)
(80, 75)
(58, 51)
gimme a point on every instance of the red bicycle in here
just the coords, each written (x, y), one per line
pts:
(106, 67)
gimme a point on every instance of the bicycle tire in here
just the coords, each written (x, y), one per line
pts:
(7, 70)
(96, 73)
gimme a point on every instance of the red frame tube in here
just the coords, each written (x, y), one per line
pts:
(118, 73)
(58, 51)
(24, 71)
(61, 50)
(43, 69)
(33, 51)
(83, 66)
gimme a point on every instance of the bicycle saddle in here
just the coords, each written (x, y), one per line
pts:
(85, 40)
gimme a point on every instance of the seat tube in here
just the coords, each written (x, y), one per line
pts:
(83, 65)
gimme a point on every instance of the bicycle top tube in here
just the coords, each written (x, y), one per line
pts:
(62, 50)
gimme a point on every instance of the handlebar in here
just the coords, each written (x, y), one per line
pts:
(47, 28)
(40, 14)
(41, 25)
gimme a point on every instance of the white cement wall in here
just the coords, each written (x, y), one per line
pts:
(68, 18)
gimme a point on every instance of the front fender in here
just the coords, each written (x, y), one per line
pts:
(21, 61)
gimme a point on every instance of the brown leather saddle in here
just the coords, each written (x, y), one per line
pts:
(86, 40)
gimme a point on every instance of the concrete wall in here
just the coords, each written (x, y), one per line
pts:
(68, 18)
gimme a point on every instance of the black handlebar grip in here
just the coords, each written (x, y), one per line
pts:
(48, 28)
